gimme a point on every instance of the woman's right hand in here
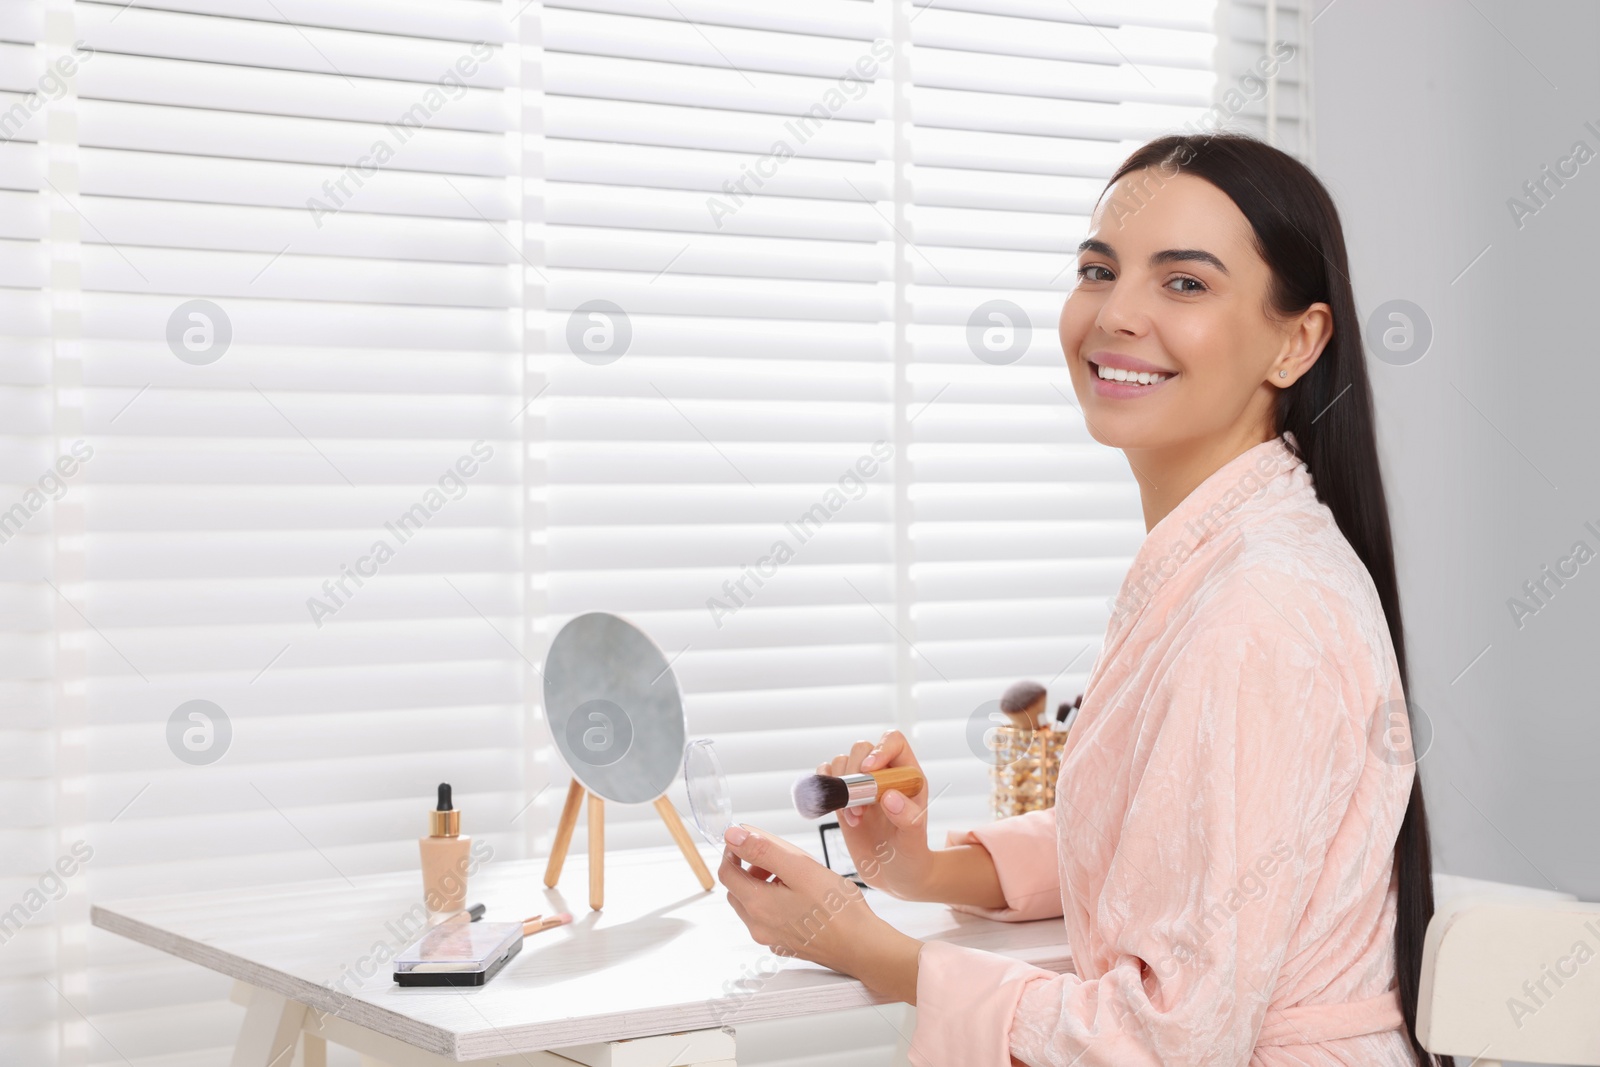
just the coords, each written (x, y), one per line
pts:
(888, 840)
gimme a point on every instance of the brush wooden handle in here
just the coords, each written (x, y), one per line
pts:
(906, 780)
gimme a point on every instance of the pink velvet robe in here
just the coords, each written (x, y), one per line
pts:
(1221, 848)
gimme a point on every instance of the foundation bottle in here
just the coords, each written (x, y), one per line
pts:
(444, 860)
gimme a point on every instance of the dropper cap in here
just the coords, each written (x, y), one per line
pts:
(445, 820)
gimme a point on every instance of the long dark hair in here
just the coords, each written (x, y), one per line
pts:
(1329, 412)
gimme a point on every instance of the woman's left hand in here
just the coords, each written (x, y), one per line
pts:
(797, 907)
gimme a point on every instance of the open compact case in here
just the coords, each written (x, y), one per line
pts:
(711, 807)
(458, 953)
(710, 804)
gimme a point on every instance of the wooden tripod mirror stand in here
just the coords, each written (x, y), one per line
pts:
(597, 841)
(616, 716)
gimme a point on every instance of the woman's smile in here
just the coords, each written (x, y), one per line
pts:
(1115, 376)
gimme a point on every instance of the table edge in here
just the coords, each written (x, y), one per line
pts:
(544, 1036)
(317, 997)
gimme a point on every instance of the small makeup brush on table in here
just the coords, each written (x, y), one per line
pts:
(540, 923)
(816, 795)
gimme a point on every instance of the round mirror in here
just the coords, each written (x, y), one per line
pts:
(614, 708)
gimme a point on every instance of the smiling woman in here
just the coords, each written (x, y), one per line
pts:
(1158, 281)
(1239, 852)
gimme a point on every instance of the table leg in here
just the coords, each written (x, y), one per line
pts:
(270, 1032)
(273, 1024)
(692, 1048)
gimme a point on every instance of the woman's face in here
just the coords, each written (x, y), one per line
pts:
(1169, 277)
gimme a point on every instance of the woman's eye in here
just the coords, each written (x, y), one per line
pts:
(1084, 273)
(1199, 286)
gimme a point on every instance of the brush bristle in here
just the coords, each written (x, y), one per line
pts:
(817, 794)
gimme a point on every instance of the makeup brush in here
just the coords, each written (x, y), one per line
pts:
(817, 794)
(1066, 714)
(1023, 704)
(541, 923)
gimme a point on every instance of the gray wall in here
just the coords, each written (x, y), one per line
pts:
(1428, 116)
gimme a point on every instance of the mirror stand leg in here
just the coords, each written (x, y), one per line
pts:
(569, 820)
(597, 851)
(686, 845)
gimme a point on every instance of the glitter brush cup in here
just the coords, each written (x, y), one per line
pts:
(1026, 765)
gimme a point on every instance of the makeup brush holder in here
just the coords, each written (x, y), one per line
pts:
(1025, 768)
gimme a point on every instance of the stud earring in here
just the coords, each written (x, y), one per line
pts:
(1283, 374)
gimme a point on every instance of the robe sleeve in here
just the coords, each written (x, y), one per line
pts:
(1245, 764)
(1023, 848)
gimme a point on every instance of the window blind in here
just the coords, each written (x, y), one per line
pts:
(772, 340)
(720, 454)
(301, 295)
(1263, 68)
(683, 309)
(31, 892)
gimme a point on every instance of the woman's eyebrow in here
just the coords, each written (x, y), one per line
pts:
(1171, 255)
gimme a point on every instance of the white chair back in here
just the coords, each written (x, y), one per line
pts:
(1510, 973)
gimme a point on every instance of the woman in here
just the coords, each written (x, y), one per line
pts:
(1239, 849)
